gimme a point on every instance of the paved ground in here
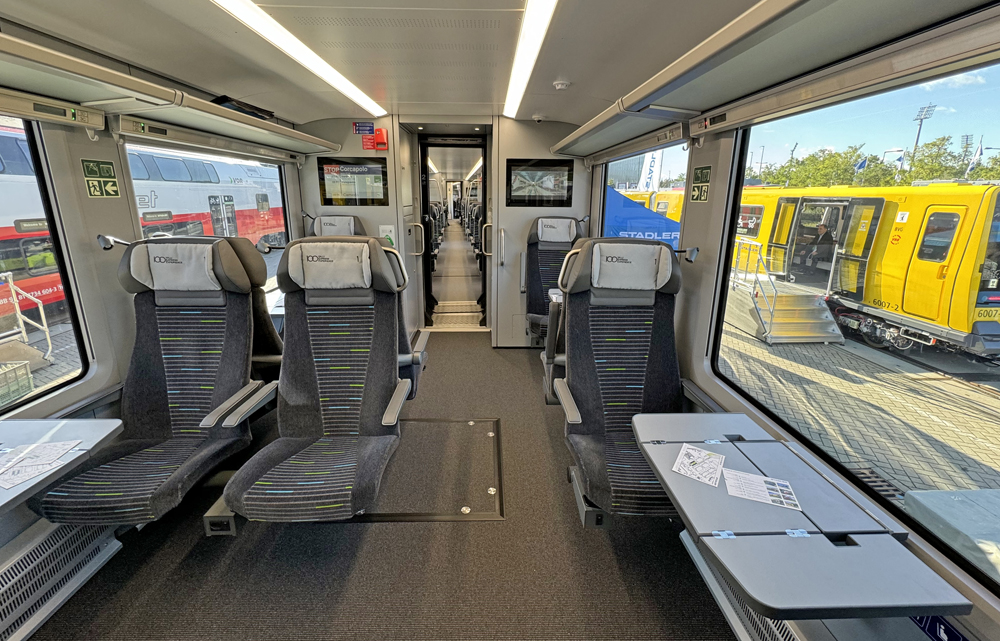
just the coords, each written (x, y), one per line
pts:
(923, 430)
(66, 362)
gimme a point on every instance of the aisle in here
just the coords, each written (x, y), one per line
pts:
(457, 282)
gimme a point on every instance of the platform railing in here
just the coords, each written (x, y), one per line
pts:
(749, 272)
(21, 330)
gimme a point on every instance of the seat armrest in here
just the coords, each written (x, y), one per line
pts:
(391, 416)
(570, 409)
(224, 408)
(263, 396)
(421, 345)
(560, 360)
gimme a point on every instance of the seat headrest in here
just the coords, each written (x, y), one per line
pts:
(336, 263)
(555, 229)
(338, 226)
(191, 264)
(634, 268)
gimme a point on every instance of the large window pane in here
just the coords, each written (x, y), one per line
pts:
(39, 348)
(195, 194)
(863, 300)
(644, 196)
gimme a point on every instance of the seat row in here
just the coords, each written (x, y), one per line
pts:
(188, 398)
(605, 310)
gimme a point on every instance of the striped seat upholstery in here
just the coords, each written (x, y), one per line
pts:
(549, 240)
(339, 372)
(192, 352)
(620, 361)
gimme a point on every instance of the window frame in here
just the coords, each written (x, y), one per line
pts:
(741, 151)
(156, 161)
(951, 241)
(59, 249)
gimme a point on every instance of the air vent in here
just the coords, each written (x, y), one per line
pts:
(411, 46)
(478, 79)
(873, 479)
(456, 141)
(30, 581)
(397, 23)
(758, 627)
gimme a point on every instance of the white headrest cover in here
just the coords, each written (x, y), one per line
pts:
(628, 266)
(334, 226)
(180, 267)
(330, 265)
(556, 230)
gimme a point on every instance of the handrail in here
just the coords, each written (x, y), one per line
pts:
(21, 318)
(741, 272)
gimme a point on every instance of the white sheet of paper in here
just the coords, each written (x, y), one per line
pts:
(35, 454)
(763, 489)
(700, 465)
(21, 473)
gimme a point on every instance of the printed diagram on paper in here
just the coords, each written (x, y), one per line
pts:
(25, 462)
(700, 465)
(761, 488)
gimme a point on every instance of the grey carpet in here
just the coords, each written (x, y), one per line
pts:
(535, 575)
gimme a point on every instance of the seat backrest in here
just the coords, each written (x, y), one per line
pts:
(338, 226)
(619, 331)
(340, 366)
(549, 240)
(193, 332)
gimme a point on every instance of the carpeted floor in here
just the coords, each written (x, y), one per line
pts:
(535, 575)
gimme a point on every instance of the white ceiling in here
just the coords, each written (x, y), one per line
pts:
(441, 58)
(454, 162)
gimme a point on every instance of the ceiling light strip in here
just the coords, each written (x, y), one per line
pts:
(268, 28)
(478, 165)
(534, 25)
(430, 163)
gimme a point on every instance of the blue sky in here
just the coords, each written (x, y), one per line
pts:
(968, 103)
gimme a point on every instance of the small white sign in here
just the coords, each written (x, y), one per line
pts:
(700, 465)
(902, 216)
(762, 489)
(388, 231)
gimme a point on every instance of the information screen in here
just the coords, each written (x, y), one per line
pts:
(539, 183)
(353, 181)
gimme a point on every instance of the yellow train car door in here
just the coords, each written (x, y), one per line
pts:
(927, 277)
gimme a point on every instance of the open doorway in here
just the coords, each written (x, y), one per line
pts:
(454, 215)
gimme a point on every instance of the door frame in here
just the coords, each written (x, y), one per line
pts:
(424, 143)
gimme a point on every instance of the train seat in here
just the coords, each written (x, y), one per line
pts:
(339, 393)
(620, 361)
(338, 226)
(549, 240)
(554, 354)
(191, 355)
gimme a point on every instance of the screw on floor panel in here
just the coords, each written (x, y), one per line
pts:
(492, 490)
(466, 510)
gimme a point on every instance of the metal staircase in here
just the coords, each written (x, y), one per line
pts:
(775, 312)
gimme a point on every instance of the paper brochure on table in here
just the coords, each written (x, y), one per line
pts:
(763, 489)
(700, 465)
(21, 473)
(25, 462)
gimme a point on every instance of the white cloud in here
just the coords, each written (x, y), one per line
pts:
(947, 110)
(956, 82)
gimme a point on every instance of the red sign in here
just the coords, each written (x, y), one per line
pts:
(368, 141)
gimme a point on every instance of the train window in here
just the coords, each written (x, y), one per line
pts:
(136, 168)
(644, 196)
(938, 236)
(172, 169)
(221, 200)
(39, 347)
(864, 269)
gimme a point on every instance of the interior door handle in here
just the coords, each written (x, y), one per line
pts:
(503, 246)
(421, 228)
(485, 236)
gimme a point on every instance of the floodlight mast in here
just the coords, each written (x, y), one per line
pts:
(922, 115)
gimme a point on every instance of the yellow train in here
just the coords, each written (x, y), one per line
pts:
(909, 264)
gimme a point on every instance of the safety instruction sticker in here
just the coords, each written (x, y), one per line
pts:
(700, 179)
(762, 489)
(100, 178)
(700, 465)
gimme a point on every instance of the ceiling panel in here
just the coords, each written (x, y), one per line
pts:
(454, 162)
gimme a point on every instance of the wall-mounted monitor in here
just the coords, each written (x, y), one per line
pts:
(353, 181)
(539, 183)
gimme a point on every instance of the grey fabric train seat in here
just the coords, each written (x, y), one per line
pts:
(554, 354)
(620, 361)
(337, 226)
(192, 355)
(339, 392)
(549, 240)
